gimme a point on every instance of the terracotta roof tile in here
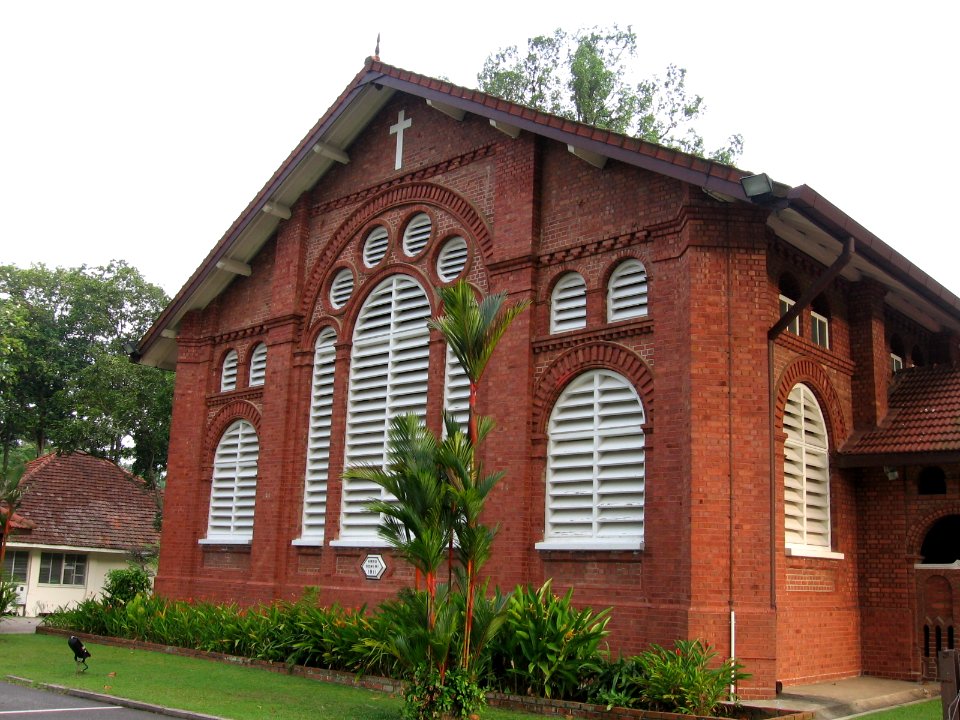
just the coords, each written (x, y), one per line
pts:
(78, 500)
(924, 415)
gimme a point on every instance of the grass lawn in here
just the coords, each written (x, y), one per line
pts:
(926, 710)
(215, 688)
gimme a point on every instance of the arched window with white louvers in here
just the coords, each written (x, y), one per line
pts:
(456, 390)
(452, 259)
(568, 304)
(318, 440)
(417, 234)
(375, 246)
(806, 474)
(234, 487)
(228, 373)
(388, 377)
(258, 365)
(596, 466)
(627, 291)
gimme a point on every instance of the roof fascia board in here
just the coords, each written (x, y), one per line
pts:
(821, 211)
(629, 157)
(176, 308)
(897, 459)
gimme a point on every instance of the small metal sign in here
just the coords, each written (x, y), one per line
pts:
(373, 567)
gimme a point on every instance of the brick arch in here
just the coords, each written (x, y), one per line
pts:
(422, 193)
(591, 356)
(918, 531)
(309, 339)
(812, 374)
(622, 256)
(236, 410)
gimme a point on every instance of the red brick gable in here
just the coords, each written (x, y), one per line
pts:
(924, 415)
(78, 500)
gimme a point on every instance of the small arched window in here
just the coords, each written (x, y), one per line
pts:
(375, 246)
(627, 291)
(820, 323)
(318, 439)
(258, 365)
(234, 487)
(452, 259)
(417, 234)
(568, 304)
(228, 373)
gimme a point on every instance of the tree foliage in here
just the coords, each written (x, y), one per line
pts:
(65, 379)
(584, 76)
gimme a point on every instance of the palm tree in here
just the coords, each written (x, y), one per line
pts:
(472, 329)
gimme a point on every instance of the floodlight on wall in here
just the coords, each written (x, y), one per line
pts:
(757, 187)
(891, 472)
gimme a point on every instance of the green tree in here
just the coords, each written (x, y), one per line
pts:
(65, 379)
(583, 76)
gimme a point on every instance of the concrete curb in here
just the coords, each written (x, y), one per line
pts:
(114, 700)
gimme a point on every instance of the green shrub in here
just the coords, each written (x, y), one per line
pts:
(427, 698)
(8, 596)
(124, 584)
(547, 647)
(682, 681)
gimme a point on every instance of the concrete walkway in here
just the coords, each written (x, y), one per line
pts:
(853, 696)
(17, 624)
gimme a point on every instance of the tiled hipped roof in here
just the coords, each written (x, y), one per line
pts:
(923, 415)
(78, 500)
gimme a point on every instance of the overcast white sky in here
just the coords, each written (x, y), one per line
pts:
(140, 130)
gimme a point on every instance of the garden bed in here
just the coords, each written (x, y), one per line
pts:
(539, 706)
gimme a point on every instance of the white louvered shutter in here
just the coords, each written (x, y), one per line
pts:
(417, 234)
(228, 374)
(627, 291)
(258, 365)
(806, 471)
(342, 288)
(375, 246)
(388, 377)
(456, 390)
(568, 304)
(596, 462)
(234, 487)
(318, 438)
(452, 259)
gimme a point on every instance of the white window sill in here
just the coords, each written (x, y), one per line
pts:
(360, 542)
(588, 544)
(955, 565)
(813, 551)
(231, 540)
(314, 541)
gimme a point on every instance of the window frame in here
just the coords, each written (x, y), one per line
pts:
(229, 371)
(568, 303)
(11, 557)
(65, 563)
(233, 487)
(258, 366)
(622, 286)
(820, 329)
(785, 305)
(578, 427)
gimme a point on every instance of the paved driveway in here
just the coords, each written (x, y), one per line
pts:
(17, 701)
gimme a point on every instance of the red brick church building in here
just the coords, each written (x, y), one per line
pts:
(731, 412)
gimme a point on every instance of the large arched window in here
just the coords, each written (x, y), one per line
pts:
(595, 466)
(568, 304)
(388, 377)
(234, 487)
(318, 439)
(806, 474)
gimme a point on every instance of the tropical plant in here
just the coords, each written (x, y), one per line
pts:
(684, 680)
(549, 647)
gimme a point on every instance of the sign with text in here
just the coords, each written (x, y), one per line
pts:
(373, 567)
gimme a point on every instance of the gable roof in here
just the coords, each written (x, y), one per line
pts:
(799, 215)
(77, 500)
(922, 424)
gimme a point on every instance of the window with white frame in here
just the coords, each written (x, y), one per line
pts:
(596, 473)
(456, 390)
(819, 329)
(388, 377)
(627, 291)
(234, 487)
(63, 569)
(896, 362)
(15, 565)
(568, 304)
(806, 473)
(258, 365)
(785, 305)
(228, 374)
(417, 234)
(318, 438)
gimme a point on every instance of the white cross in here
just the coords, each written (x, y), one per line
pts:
(402, 124)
